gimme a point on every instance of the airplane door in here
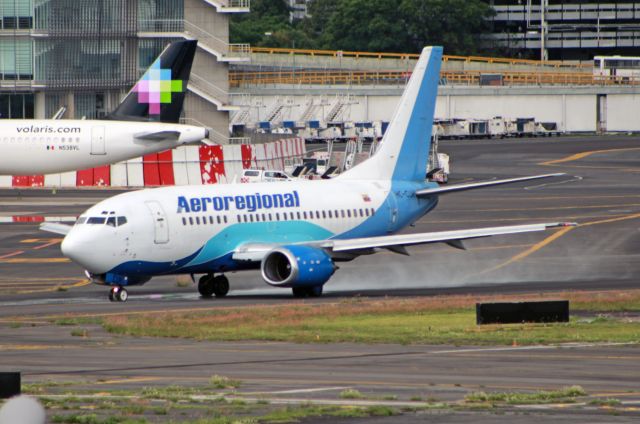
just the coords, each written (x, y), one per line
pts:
(160, 223)
(392, 206)
(97, 141)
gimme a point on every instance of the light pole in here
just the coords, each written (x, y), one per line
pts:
(544, 56)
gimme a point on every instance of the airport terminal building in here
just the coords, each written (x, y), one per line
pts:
(86, 54)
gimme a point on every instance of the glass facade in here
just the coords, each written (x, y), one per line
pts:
(86, 63)
(16, 14)
(16, 58)
(161, 15)
(16, 106)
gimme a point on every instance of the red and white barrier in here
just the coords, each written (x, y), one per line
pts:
(187, 165)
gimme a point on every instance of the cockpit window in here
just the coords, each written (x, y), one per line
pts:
(111, 221)
(81, 220)
(122, 220)
(96, 220)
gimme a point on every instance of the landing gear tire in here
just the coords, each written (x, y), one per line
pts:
(220, 286)
(315, 291)
(301, 292)
(118, 294)
(206, 286)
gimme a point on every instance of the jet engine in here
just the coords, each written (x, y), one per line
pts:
(297, 266)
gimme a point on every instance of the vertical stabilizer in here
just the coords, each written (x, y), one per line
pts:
(159, 94)
(404, 149)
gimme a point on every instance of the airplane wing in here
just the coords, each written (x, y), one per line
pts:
(54, 227)
(254, 252)
(470, 186)
(402, 240)
(159, 135)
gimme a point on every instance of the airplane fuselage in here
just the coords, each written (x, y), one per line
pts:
(190, 229)
(29, 147)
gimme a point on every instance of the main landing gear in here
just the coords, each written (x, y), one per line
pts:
(118, 294)
(208, 285)
(313, 291)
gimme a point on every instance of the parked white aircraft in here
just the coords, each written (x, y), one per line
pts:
(145, 122)
(294, 231)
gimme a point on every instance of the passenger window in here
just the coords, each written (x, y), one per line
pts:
(304, 215)
(197, 220)
(218, 219)
(184, 221)
(348, 213)
(270, 218)
(264, 217)
(342, 213)
(330, 214)
(317, 214)
(361, 213)
(299, 216)
(225, 219)
(190, 220)
(324, 214)
(251, 218)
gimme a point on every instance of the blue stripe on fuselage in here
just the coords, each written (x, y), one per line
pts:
(215, 254)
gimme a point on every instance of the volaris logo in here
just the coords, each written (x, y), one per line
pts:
(156, 87)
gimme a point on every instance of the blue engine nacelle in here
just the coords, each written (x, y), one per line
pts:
(297, 266)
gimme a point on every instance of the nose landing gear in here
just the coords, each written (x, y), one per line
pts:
(208, 285)
(118, 294)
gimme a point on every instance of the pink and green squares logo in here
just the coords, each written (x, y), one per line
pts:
(156, 88)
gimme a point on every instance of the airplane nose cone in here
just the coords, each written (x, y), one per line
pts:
(79, 250)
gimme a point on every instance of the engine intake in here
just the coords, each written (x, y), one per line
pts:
(297, 266)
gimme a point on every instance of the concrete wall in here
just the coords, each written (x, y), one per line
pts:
(573, 109)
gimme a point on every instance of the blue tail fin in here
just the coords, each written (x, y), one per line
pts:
(404, 149)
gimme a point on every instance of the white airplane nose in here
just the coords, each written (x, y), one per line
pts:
(79, 250)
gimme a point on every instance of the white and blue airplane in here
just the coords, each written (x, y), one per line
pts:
(294, 232)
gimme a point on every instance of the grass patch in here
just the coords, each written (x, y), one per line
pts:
(429, 320)
(605, 402)
(351, 394)
(295, 413)
(566, 394)
(221, 382)
(80, 332)
(127, 407)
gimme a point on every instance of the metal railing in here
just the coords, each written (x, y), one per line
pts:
(224, 49)
(411, 56)
(209, 88)
(231, 4)
(237, 78)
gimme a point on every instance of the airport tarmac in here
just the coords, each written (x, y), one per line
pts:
(600, 193)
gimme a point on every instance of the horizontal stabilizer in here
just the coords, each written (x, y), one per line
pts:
(56, 228)
(159, 136)
(470, 186)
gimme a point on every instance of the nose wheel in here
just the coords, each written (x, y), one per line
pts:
(208, 285)
(118, 294)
